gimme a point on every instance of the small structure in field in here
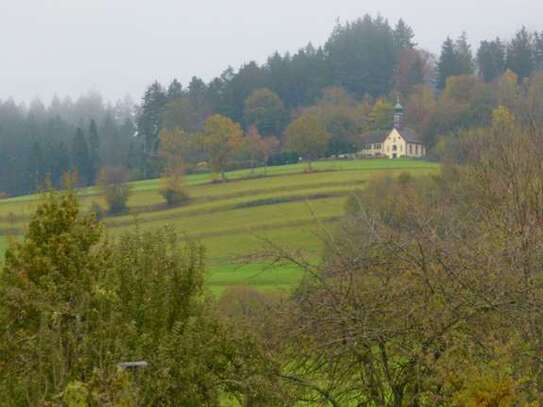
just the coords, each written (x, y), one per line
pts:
(398, 142)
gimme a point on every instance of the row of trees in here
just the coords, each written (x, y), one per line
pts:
(362, 67)
(38, 142)
(523, 55)
(348, 67)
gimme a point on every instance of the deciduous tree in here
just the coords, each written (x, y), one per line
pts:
(307, 137)
(220, 139)
(265, 110)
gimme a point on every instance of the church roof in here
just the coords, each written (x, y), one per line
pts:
(410, 135)
(377, 136)
(380, 136)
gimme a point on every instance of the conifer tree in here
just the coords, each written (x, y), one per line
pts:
(491, 59)
(466, 65)
(403, 36)
(94, 152)
(80, 157)
(456, 59)
(148, 123)
(520, 54)
(175, 90)
(446, 63)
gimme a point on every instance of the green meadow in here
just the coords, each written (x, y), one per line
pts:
(238, 219)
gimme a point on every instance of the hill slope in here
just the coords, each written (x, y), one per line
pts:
(282, 204)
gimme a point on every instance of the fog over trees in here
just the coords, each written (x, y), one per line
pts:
(365, 63)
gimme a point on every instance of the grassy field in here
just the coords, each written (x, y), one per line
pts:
(233, 219)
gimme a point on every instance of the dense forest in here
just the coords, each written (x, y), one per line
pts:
(349, 84)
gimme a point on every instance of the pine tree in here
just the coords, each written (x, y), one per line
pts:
(456, 59)
(37, 166)
(148, 123)
(538, 42)
(80, 157)
(447, 62)
(466, 65)
(491, 59)
(520, 54)
(60, 162)
(175, 90)
(403, 36)
(362, 57)
(94, 152)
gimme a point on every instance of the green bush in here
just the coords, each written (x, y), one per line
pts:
(174, 196)
(114, 184)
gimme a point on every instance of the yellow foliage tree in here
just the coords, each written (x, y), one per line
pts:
(220, 139)
(173, 147)
(307, 136)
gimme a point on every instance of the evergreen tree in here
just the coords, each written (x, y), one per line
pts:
(456, 59)
(60, 162)
(175, 90)
(403, 36)
(265, 110)
(148, 124)
(362, 56)
(80, 157)
(37, 165)
(520, 54)
(491, 59)
(94, 152)
(466, 65)
(538, 41)
(447, 62)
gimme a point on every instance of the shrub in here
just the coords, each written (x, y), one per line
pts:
(174, 197)
(97, 210)
(113, 182)
(173, 190)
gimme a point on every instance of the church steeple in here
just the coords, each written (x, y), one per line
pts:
(398, 115)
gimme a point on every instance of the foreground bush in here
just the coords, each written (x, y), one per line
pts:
(74, 305)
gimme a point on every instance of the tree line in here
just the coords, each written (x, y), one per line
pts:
(40, 144)
(349, 85)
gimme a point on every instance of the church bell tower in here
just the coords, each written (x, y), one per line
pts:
(398, 115)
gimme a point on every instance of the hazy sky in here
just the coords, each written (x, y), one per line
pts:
(117, 47)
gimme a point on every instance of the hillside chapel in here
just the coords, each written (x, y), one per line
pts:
(398, 142)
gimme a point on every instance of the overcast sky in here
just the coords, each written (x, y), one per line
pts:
(117, 47)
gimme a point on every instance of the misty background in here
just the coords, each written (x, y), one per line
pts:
(69, 47)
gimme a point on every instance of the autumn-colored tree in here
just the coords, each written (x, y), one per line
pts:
(259, 148)
(220, 139)
(173, 147)
(307, 137)
(508, 91)
(49, 304)
(113, 181)
(381, 117)
(419, 108)
(342, 118)
(411, 70)
(264, 109)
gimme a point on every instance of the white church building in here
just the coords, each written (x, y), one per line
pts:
(398, 142)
